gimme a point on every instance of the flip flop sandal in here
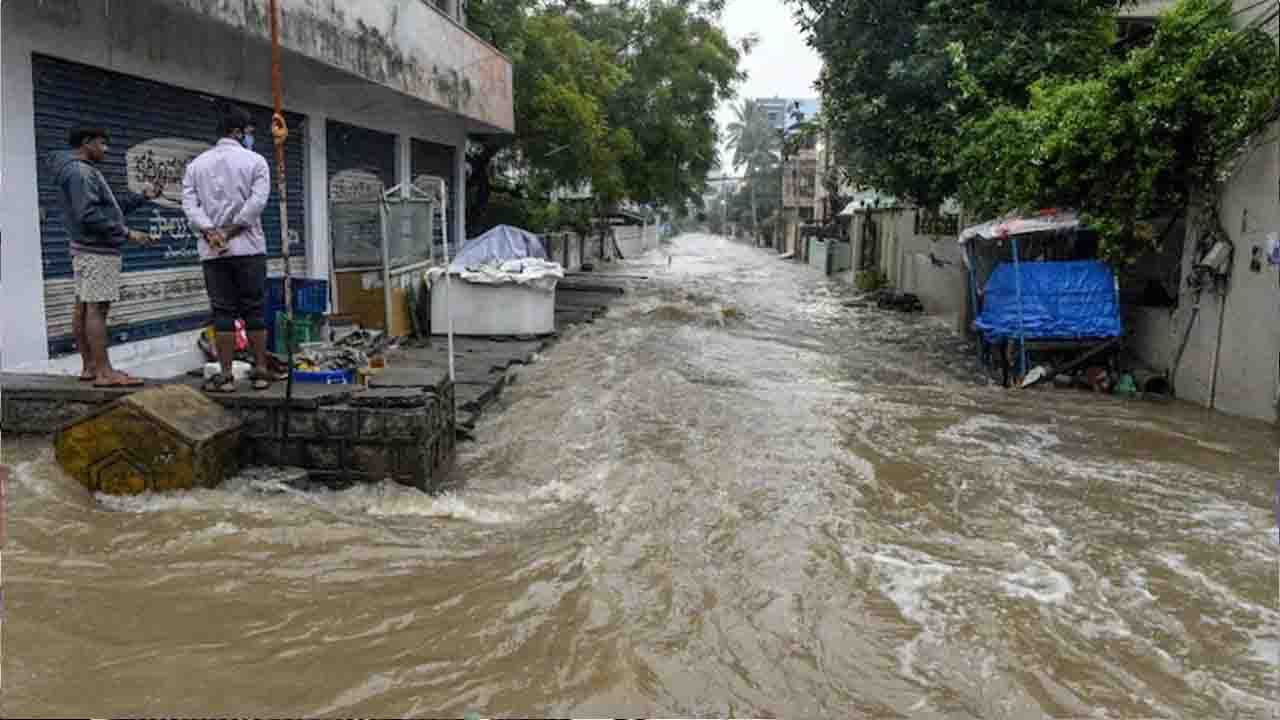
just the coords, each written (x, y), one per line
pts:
(122, 381)
(219, 384)
(263, 380)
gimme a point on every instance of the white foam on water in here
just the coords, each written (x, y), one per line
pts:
(1138, 582)
(389, 500)
(1037, 581)
(1225, 518)
(906, 582)
(1266, 650)
(1178, 564)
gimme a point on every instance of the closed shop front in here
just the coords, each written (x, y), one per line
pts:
(156, 129)
(362, 165)
(434, 160)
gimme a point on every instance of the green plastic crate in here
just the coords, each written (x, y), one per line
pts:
(306, 328)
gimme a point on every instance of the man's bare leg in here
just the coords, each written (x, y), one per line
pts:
(88, 371)
(226, 342)
(258, 341)
(95, 332)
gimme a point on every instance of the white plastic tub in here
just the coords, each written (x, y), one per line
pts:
(481, 309)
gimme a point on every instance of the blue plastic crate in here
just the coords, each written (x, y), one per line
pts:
(328, 377)
(310, 297)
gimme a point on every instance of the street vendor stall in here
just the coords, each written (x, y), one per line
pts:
(1038, 292)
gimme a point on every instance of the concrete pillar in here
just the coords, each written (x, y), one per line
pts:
(316, 164)
(404, 163)
(23, 336)
(459, 189)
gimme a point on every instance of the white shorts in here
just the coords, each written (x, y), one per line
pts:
(97, 277)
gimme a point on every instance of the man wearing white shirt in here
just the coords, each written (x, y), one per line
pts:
(224, 192)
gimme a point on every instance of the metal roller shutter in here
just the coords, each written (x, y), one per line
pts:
(432, 159)
(155, 130)
(353, 148)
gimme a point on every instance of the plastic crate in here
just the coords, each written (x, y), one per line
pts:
(306, 328)
(310, 297)
(327, 377)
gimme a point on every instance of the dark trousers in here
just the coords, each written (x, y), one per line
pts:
(237, 289)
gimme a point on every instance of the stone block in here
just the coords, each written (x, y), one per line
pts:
(337, 421)
(165, 438)
(377, 461)
(408, 424)
(371, 425)
(322, 455)
(304, 424)
(259, 422)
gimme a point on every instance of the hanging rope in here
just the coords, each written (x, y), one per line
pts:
(280, 134)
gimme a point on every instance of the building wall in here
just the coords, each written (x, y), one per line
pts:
(1232, 357)
(907, 260)
(155, 41)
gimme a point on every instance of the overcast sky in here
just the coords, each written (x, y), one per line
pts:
(781, 63)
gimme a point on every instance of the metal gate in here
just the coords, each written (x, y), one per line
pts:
(156, 129)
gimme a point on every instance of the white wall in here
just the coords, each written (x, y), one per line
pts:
(205, 56)
(22, 332)
(1232, 356)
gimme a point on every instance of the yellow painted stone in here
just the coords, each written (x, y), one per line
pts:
(160, 439)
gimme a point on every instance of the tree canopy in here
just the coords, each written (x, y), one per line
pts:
(1136, 140)
(890, 86)
(1015, 105)
(619, 96)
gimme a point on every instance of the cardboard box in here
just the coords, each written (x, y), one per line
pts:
(360, 295)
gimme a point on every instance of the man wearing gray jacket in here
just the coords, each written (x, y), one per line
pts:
(94, 220)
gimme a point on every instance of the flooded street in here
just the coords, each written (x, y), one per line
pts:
(733, 495)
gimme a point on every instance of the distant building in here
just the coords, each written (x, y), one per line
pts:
(786, 113)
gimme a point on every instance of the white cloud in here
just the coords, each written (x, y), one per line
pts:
(781, 64)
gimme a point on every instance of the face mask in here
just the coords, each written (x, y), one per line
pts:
(247, 142)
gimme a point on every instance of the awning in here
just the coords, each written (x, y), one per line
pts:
(1015, 224)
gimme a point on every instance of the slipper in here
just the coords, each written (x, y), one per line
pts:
(263, 380)
(121, 381)
(89, 378)
(219, 384)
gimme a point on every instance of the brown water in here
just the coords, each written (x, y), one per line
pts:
(733, 496)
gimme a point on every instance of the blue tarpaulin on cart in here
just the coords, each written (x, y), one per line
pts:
(1060, 301)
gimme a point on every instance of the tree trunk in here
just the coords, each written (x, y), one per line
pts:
(755, 215)
(480, 183)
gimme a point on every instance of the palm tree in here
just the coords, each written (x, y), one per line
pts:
(753, 143)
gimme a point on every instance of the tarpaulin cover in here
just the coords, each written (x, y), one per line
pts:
(1060, 301)
(497, 246)
(1016, 224)
(529, 272)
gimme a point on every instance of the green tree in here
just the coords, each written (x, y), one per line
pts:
(620, 95)
(1137, 140)
(893, 89)
(755, 145)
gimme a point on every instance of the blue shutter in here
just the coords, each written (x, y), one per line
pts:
(136, 112)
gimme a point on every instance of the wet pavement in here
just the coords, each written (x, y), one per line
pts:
(732, 495)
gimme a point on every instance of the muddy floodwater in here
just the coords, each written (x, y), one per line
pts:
(734, 495)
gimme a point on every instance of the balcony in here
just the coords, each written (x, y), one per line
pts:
(414, 47)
